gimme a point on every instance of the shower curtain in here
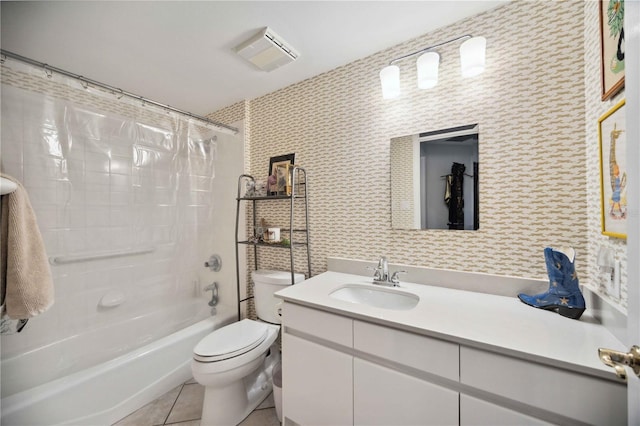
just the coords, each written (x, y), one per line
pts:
(104, 181)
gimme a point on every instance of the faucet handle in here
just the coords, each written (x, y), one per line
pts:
(214, 293)
(394, 277)
(377, 275)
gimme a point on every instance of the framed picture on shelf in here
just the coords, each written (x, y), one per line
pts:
(613, 171)
(611, 47)
(274, 163)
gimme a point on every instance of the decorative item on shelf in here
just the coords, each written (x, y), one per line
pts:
(289, 178)
(272, 184)
(274, 164)
(250, 189)
(281, 178)
(261, 188)
(273, 235)
(264, 228)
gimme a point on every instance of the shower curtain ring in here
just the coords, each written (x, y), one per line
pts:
(121, 94)
(3, 58)
(47, 71)
(83, 82)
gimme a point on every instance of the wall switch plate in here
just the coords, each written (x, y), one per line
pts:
(612, 281)
(615, 287)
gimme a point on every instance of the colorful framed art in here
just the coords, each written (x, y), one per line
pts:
(613, 171)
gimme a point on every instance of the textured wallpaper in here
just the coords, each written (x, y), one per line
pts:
(402, 192)
(536, 180)
(595, 108)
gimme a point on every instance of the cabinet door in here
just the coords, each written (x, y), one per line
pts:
(475, 412)
(317, 383)
(387, 397)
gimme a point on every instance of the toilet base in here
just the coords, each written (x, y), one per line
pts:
(231, 404)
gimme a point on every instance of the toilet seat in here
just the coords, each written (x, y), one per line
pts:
(231, 341)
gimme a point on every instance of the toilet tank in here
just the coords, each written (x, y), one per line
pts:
(266, 282)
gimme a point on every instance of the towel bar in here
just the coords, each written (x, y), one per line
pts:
(59, 260)
(7, 186)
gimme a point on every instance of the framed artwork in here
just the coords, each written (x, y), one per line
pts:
(282, 172)
(274, 162)
(613, 171)
(612, 46)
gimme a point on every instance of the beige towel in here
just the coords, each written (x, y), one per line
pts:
(25, 277)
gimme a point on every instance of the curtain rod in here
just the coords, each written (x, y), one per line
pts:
(116, 91)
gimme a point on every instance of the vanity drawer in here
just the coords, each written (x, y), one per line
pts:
(320, 324)
(413, 350)
(570, 394)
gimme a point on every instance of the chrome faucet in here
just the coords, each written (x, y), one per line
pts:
(383, 266)
(381, 274)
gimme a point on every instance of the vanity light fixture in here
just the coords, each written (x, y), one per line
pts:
(472, 59)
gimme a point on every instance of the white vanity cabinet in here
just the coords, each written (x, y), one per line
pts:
(543, 389)
(317, 379)
(384, 396)
(396, 376)
(339, 370)
(476, 412)
(318, 383)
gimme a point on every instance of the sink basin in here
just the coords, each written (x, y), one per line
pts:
(377, 297)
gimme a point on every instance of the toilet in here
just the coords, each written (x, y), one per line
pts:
(234, 363)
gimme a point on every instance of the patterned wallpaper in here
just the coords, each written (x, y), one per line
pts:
(402, 196)
(538, 180)
(595, 108)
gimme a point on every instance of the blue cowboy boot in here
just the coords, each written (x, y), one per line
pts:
(564, 294)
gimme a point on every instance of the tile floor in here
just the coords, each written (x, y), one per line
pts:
(182, 406)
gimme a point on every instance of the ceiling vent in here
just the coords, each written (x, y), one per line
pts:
(267, 51)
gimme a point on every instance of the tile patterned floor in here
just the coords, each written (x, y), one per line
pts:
(182, 406)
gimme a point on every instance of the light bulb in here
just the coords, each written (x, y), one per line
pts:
(427, 65)
(390, 81)
(472, 56)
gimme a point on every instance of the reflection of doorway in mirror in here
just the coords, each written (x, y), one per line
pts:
(420, 166)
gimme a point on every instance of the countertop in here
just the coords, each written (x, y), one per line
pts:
(486, 321)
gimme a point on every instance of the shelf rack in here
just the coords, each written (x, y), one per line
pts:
(298, 196)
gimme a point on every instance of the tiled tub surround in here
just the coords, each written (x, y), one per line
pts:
(499, 341)
(101, 181)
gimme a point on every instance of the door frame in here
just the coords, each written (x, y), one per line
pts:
(632, 94)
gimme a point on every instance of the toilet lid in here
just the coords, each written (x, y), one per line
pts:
(230, 341)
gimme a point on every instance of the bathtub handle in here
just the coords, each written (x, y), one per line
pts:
(214, 293)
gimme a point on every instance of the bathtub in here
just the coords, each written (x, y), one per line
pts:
(103, 394)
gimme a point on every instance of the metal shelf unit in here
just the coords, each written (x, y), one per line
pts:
(298, 196)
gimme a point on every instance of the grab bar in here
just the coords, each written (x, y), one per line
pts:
(59, 260)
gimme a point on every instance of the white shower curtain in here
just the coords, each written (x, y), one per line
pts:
(105, 182)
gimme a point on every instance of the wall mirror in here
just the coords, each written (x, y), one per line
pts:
(434, 180)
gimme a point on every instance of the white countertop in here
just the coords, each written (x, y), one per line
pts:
(486, 321)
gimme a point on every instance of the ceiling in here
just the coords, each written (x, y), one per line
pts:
(181, 53)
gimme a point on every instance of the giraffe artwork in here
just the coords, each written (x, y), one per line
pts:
(618, 181)
(613, 171)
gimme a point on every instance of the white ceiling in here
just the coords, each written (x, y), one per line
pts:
(180, 53)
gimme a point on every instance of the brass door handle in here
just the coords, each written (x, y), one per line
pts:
(617, 360)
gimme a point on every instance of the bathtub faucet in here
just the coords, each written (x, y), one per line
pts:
(214, 293)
